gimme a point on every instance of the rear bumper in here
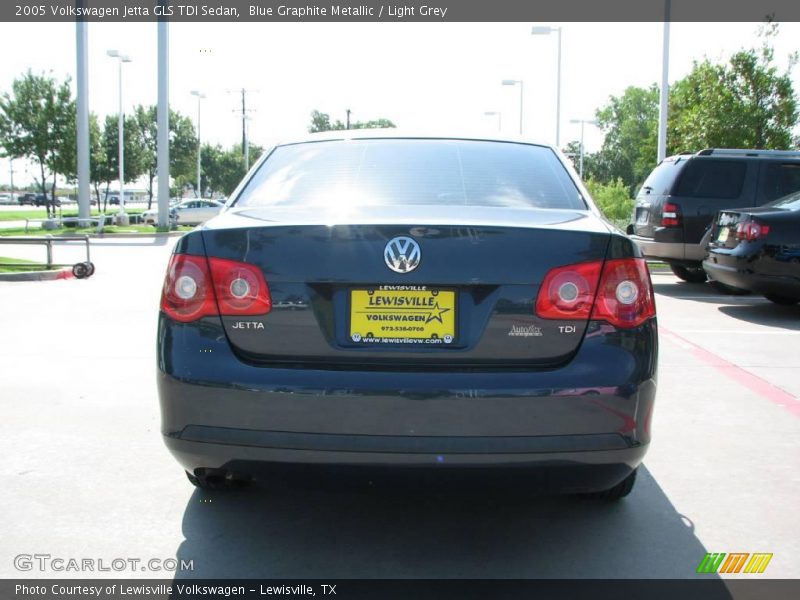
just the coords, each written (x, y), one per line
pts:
(753, 275)
(585, 425)
(671, 252)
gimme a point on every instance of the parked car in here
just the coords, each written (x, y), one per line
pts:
(195, 212)
(6, 199)
(370, 300)
(27, 199)
(44, 199)
(150, 217)
(758, 249)
(677, 203)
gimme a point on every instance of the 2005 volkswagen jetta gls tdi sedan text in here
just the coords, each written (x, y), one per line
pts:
(369, 300)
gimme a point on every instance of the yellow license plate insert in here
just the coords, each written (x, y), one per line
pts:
(419, 315)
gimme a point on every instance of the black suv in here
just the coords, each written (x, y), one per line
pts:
(677, 202)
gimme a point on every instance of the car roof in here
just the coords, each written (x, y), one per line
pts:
(396, 133)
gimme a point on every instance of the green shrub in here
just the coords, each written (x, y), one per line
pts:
(612, 199)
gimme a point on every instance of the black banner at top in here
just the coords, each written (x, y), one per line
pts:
(434, 11)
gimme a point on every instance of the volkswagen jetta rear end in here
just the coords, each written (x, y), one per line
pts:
(395, 302)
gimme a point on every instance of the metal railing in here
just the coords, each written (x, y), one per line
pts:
(46, 240)
(101, 220)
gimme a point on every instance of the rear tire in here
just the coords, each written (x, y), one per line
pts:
(689, 274)
(622, 489)
(782, 300)
(728, 289)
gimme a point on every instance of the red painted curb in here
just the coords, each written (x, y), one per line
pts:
(754, 383)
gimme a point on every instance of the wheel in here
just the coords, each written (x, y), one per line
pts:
(783, 300)
(622, 489)
(90, 268)
(728, 289)
(689, 274)
(80, 270)
(216, 480)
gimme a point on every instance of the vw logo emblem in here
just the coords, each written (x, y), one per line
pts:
(402, 254)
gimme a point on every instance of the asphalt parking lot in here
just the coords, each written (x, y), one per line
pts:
(85, 473)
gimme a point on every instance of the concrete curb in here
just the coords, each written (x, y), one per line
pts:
(63, 273)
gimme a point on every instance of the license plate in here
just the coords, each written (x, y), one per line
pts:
(722, 236)
(642, 215)
(420, 315)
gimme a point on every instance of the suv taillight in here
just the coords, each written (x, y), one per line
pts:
(671, 215)
(618, 291)
(196, 287)
(751, 231)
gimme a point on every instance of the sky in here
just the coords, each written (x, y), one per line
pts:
(441, 76)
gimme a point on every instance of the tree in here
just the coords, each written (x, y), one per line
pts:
(100, 170)
(630, 124)
(745, 103)
(573, 151)
(322, 122)
(222, 169)
(37, 121)
(182, 146)
(133, 158)
(375, 124)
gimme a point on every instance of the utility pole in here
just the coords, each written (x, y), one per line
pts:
(347, 126)
(663, 104)
(162, 118)
(245, 110)
(11, 173)
(82, 110)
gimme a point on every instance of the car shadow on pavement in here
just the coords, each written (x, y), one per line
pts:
(287, 532)
(703, 292)
(769, 315)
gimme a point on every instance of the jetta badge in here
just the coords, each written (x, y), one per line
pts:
(402, 254)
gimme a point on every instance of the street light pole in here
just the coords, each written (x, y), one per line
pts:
(200, 96)
(537, 30)
(499, 115)
(515, 82)
(122, 218)
(663, 104)
(582, 122)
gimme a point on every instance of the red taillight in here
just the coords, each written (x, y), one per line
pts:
(240, 287)
(196, 287)
(625, 296)
(618, 292)
(187, 293)
(671, 215)
(568, 292)
(751, 231)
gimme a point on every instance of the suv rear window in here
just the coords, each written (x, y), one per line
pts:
(781, 179)
(661, 178)
(703, 178)
(383, 172)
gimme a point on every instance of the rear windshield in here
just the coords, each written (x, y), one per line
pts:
(661, 178)
(384, 172)
(705, 178)
(790, 202)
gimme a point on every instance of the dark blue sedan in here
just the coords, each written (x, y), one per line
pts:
(373, 300)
